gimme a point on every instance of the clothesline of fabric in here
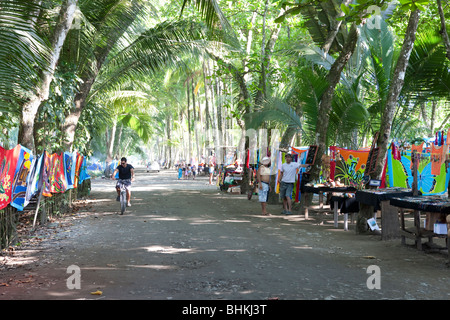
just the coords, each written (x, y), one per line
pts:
(23, 175)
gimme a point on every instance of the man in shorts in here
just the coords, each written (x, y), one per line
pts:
(126, 176)
(286, 180)
(263, 177)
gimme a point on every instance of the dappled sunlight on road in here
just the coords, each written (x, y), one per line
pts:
(166, 249)
(153, 267)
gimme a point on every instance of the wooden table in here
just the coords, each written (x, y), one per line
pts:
(430, 204)
(371, 200)
(320, 190)
(345, 205)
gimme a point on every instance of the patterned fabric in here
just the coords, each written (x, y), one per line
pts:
(23, 175)
(349, 166)
(23, 167)
(69, 168)
(399, 174)
(35, 179)
(8, 163)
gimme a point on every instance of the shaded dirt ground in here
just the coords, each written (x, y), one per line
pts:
(185, 240)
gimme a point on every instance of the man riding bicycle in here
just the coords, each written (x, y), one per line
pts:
(126, 175)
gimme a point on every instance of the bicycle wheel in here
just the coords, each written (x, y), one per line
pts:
(123, 201)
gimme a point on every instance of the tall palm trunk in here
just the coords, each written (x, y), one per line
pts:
(443, 30)
(395, 88)
(325, 106)
(30, 108)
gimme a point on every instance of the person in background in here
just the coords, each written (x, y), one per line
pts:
(263, 178)
(211, 172)
(286, 179)
(180, 171)
(194, 171)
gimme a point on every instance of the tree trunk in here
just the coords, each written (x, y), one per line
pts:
(169, 161)
(30, 108)
(207, 115)
(262, 92)
(433, 116)
(334, 27)
(110, 143)
(101, 51)
(395, 87)
(71, 122)
(189, 122)
(443, 30)
(195, 122)
(333, 78)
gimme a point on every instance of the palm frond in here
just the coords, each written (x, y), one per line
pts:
(273, 109)
(153, 50)
(381, 55)
(22, 51)
(428, 69)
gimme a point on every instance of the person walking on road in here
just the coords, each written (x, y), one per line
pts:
(286, 180)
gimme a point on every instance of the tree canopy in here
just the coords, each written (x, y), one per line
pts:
(169, 80)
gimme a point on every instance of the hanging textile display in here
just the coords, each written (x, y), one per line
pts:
(35, 179)
(437, 159)
(23, 175)
(53, 174)
(69, 168)
(280, 161)
(301, 155)
(418, 149)
(78, 163)
(83, 171)
(20, 178)
(48, 160)
(399, 174)
(395, 151)
(57, 176)
(349, 165)
(8, 163)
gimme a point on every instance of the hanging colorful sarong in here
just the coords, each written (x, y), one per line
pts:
(418, 149)
(349, 165)
(35, 178)
(69, 168)
(300, 154)
(20, 178)
(280, 161)
(437, 159)
(57, 174)
(400, 174)
(8, 164)
(78, 164)
(83, 171)
(46, 173)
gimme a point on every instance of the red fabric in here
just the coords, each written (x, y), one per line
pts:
(8, 164)
(57, 175)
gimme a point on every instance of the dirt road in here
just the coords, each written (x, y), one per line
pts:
(187, 240)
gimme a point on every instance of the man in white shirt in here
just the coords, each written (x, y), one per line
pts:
(286, 179)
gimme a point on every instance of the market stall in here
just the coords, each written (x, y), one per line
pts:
(437, 221)
(371, 200)
(345, 204)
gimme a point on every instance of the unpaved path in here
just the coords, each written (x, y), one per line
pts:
(187, 240)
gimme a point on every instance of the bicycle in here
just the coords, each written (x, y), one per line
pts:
(122, 197)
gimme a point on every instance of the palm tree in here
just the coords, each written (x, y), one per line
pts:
(23, 52)
(150, 50)
(42, 88)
